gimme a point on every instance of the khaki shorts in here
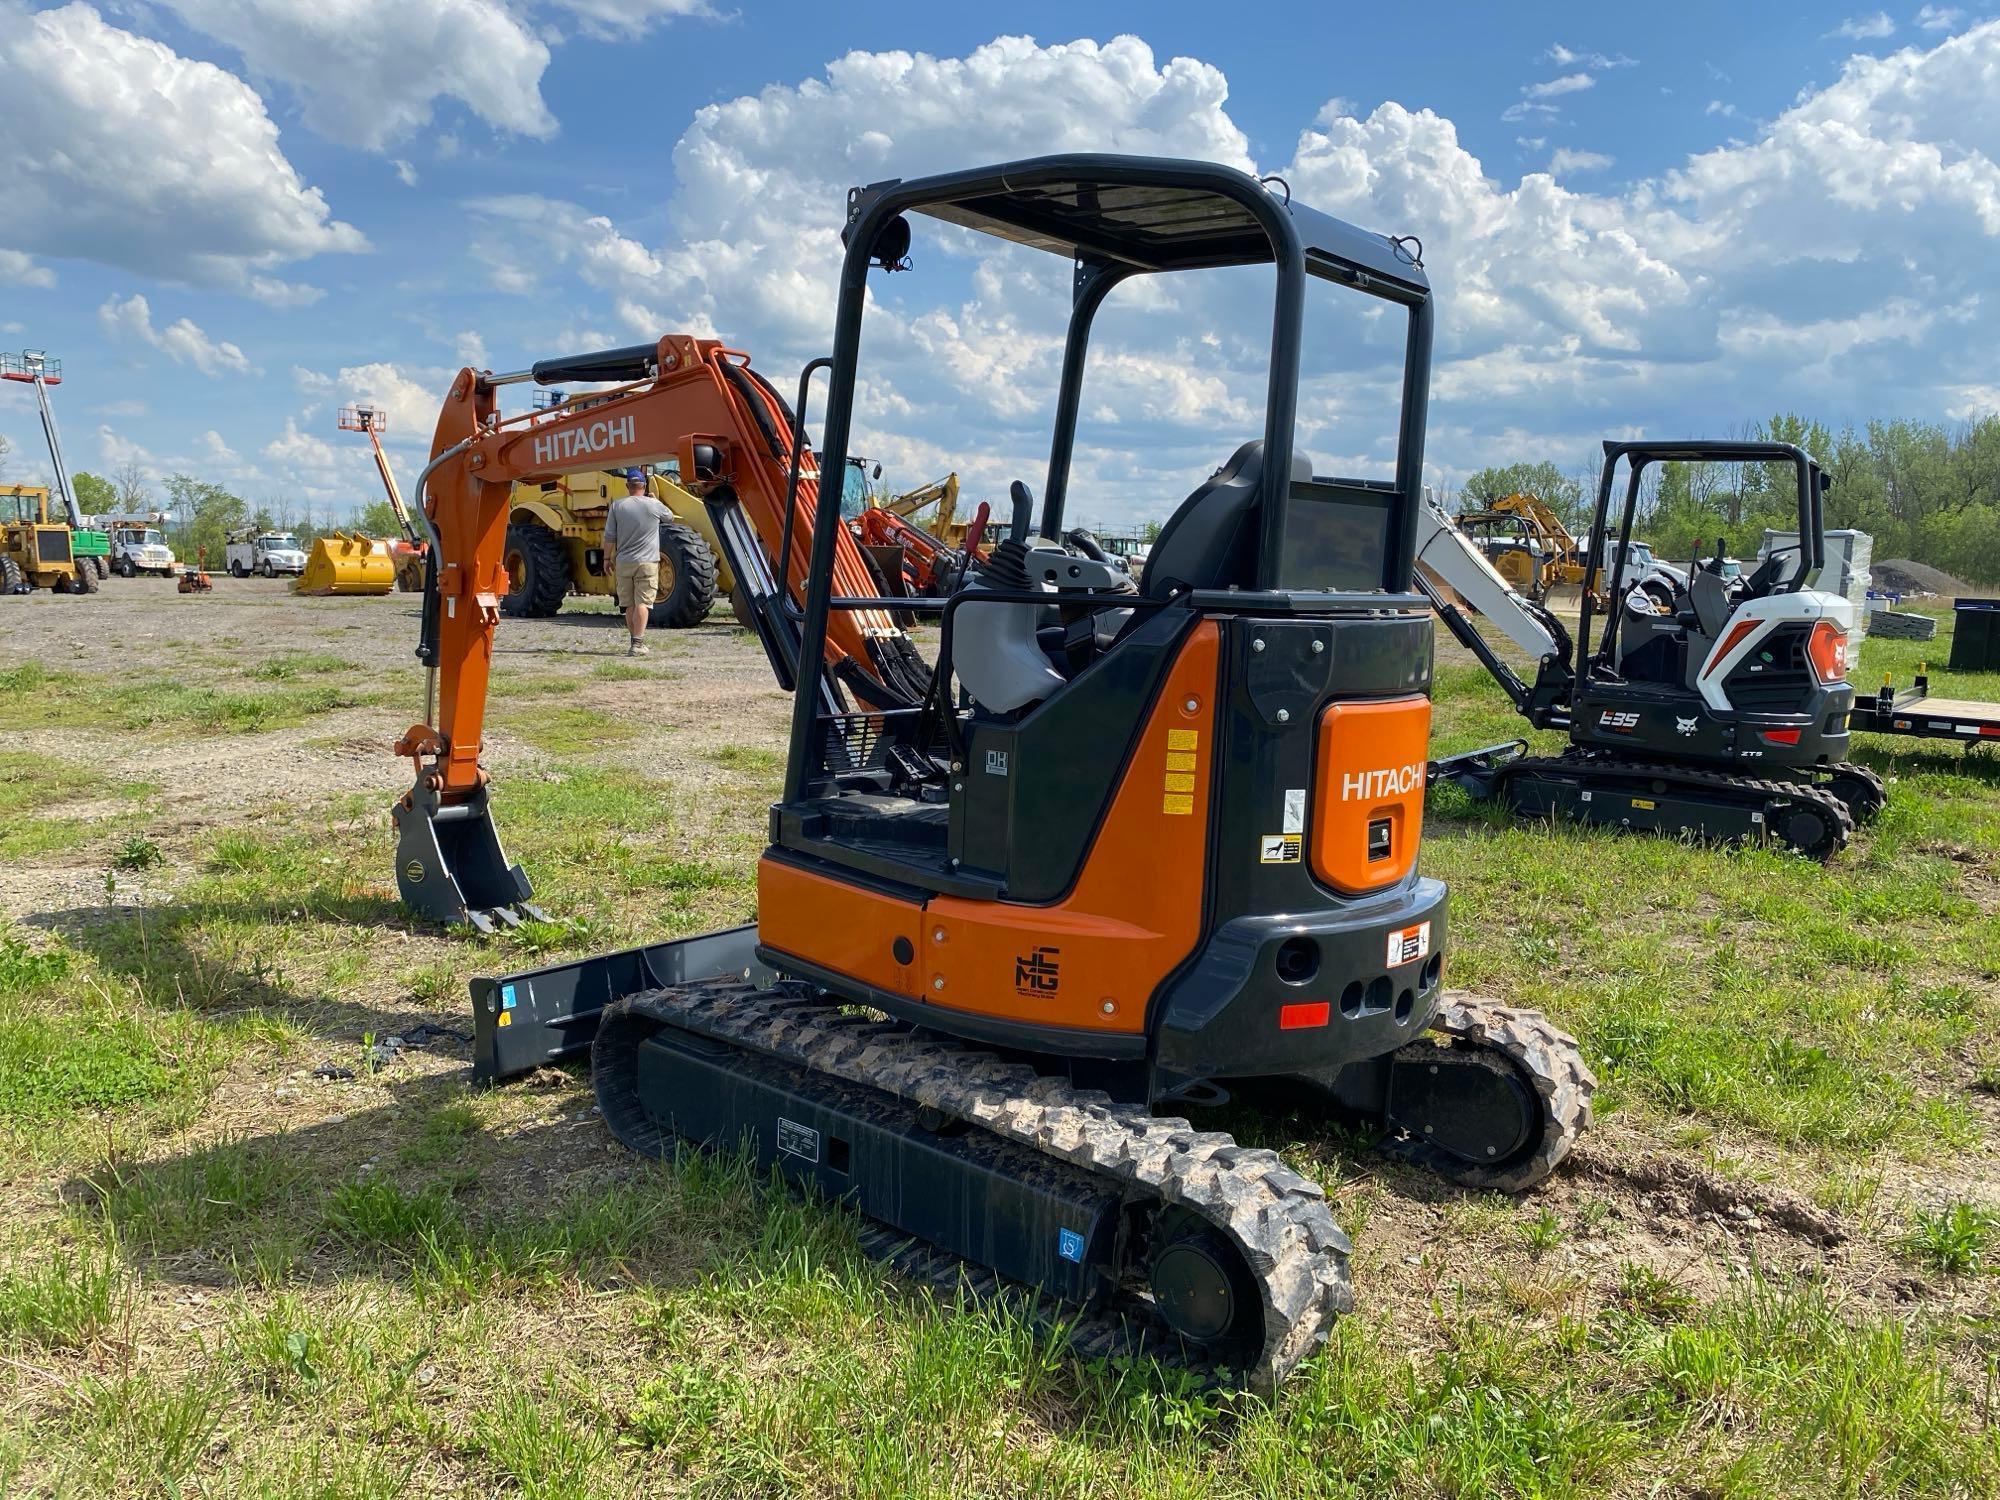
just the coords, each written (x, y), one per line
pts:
(638, 584)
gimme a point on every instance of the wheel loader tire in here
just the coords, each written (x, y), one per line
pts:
(537, 572)
(687, 579)
(85, 581)
(10, 576)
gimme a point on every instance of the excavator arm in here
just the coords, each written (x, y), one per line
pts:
(688, 400)
(1445, 555)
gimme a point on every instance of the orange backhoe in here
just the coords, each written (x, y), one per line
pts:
(739, 447)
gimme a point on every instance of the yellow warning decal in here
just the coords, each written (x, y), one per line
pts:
(1644, 802)
(1182, 763)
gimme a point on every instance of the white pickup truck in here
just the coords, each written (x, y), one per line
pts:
(273, 554)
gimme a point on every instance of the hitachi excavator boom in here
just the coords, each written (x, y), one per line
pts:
(738, 447)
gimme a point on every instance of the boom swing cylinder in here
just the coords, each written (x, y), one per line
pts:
(1120, 851)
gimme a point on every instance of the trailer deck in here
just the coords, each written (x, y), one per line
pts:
(1914, 713)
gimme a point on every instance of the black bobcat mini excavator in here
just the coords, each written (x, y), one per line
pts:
(1710, 706)
(1130, 850)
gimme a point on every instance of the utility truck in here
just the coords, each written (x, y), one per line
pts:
(138, 545)
(270, 554)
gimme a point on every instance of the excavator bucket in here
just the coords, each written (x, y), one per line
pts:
(348, 563)
(450, 867)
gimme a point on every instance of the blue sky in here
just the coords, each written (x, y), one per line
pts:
(230, 216)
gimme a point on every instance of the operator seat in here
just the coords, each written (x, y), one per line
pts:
(1210, 541)
(1709, 598)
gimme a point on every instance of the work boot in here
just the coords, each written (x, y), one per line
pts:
(638, 648)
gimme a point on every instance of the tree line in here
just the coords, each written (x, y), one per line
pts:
(1925, 491)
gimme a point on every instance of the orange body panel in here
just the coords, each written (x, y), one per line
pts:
(1369, 765)
(838, 926)
(469, 497)
(1090, 961)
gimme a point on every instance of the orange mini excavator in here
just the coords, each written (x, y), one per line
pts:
(1120, 852)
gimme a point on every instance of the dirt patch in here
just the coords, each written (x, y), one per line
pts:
(1900, 575)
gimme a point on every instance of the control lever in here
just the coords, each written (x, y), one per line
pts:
(1024, 510)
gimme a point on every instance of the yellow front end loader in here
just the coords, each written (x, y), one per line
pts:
(555, 548)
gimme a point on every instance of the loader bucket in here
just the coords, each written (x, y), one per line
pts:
(348, 563)
(450, 867)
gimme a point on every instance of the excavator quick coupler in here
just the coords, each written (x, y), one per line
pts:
(450, 866)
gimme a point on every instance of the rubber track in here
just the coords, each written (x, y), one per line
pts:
(1860, 773)
(1278, 1219)
(1572, 764)
(1548, 1058)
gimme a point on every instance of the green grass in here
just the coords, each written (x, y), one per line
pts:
(1957, 1239)
(219, 1276)
(33, 696)
(64, 1299)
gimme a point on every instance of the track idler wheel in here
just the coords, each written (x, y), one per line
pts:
(1812, 822)
(1860, 791)
(1495, 1098)
(1202, 1288)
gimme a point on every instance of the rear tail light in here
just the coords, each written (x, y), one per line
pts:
(1779, 736)
(1827, 650)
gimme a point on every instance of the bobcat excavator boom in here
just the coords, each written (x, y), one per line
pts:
(738, 446)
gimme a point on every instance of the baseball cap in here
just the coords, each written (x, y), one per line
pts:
(635, 476)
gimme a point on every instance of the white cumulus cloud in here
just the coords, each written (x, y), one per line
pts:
(182, 341)
(120, 151)
(369, 72)
(1566, 160)
(1746, 280)
(1865, 28)
(624, 18)
(1568, 83)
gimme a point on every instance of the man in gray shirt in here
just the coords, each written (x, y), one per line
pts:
(632, 541)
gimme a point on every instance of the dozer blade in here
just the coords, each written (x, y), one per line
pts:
(450, 866)
(348, 563)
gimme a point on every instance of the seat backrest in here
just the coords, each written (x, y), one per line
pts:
(1210, 541)
(1709, 596)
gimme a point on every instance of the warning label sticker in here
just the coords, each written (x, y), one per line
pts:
(1280, 848)
(1295, 809)
(1408, 944)
(798, 1140)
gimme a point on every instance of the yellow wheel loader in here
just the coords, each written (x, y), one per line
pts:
(555, 548)
(36, 552)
